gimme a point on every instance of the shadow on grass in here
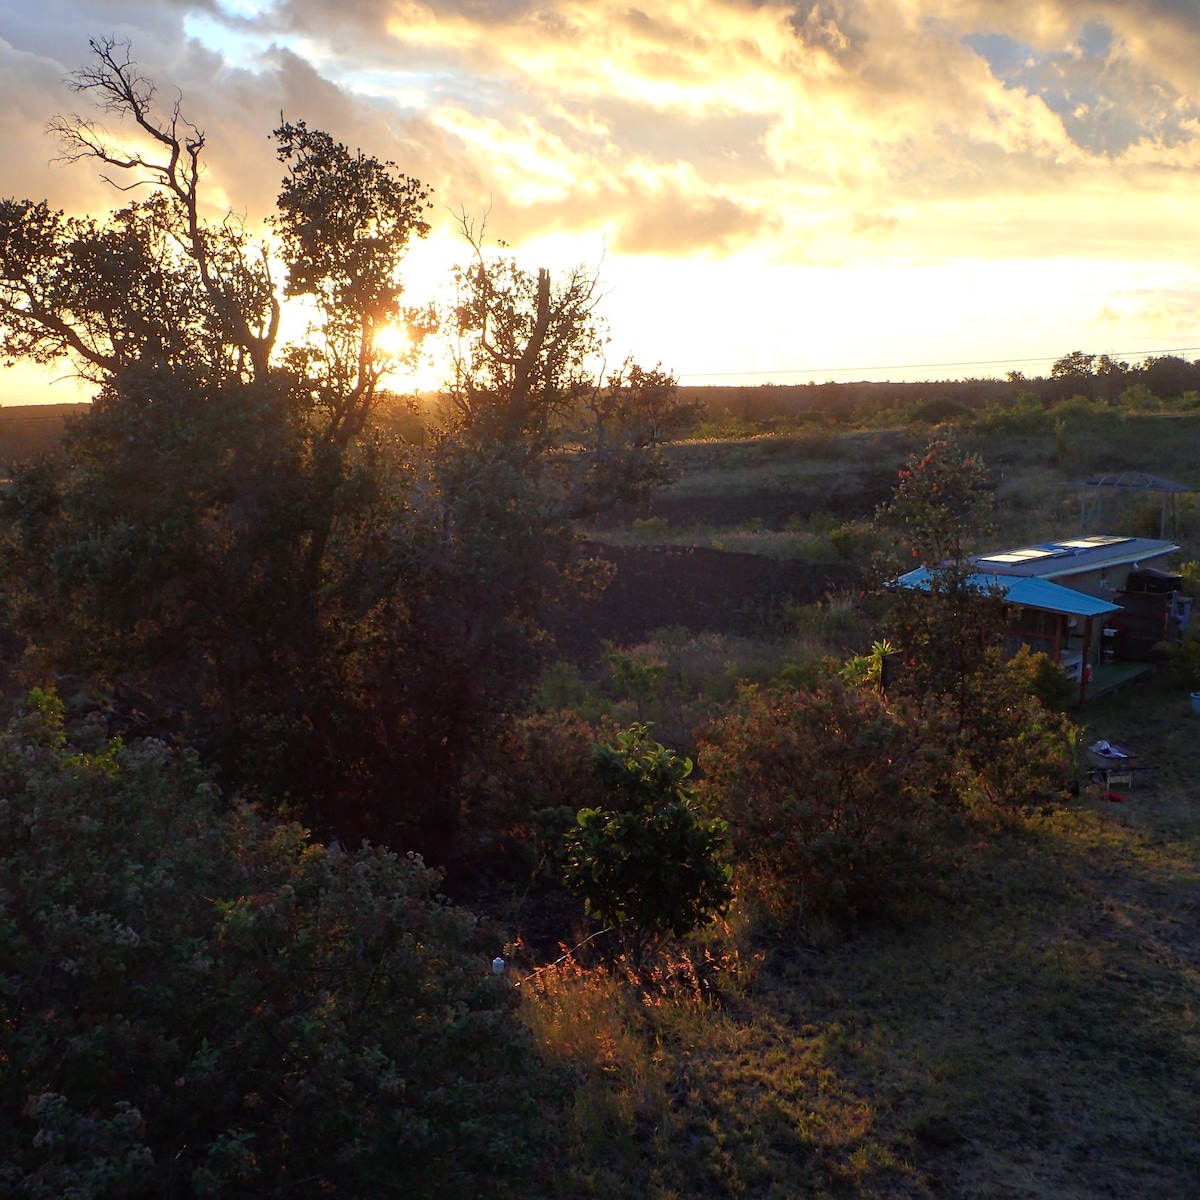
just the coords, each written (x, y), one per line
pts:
(1038, 1038)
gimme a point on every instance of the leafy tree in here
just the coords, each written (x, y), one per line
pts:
(115, 294)
(230, 543)
(1075, 365)
(1010, 747)
(941, 505)
(526, 346)
(345, 221)
(1112, 375)
(648, 863)
(1168, 375)
(154, 286)
(164, 552)
(940, 510)
(197, 1003)
(1014, 749)
(647, 403)
(529, 375)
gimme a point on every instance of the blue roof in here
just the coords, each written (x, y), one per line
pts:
(1024, 590)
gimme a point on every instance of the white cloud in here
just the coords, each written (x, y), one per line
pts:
(880, 134)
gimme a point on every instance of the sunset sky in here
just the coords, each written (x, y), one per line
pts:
(839, 189)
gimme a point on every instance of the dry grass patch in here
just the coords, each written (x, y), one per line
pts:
(1039, 1038)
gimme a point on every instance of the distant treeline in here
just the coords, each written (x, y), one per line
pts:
(767, 401)
(1096, 376)
(32, 429)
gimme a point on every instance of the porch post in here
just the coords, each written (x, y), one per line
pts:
(1085, 667)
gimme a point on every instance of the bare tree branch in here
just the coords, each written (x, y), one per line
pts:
(116, 86)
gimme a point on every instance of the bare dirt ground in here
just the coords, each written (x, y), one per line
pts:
(847, 500)
(706, 591)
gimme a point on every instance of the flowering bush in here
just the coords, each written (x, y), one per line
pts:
(194, 1002)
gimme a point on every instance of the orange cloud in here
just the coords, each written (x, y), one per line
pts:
(828, 132)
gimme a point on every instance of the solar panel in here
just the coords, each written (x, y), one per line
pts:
(1095, 541)
(1016, 556)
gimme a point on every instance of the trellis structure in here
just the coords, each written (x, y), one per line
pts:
(1127, 485)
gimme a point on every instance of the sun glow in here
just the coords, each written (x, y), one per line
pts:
(395, 341)
(409, 364)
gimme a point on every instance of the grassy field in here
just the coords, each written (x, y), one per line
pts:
(1035, 1034)
(784, 495)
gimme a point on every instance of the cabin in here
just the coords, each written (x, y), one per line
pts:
(1099, 565)
(1097, 604)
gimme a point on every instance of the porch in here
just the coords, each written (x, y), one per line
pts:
(1110, 677)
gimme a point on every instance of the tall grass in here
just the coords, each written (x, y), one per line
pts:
(1035, 1034)
(1037, 1037)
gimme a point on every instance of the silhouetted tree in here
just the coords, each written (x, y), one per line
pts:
(229, 543)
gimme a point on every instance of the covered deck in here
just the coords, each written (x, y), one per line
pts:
(1058, 621)
(1111, 677)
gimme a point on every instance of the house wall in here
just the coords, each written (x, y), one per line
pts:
(1036, 628)
(1104, 580)
(1144, 623)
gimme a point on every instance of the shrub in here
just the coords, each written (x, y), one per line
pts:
(838, 802)
(529, 784)
(1025, 419)
(1044, 679)
(1190, 573)
(1081, 409)
(1184, 658)
(868, 670)
(649, 863)
(938, 411)
(636, 676)
(197, 1003)
(650, 528)
(1013, 750)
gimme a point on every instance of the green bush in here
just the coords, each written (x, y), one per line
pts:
(563, 687)
(1184, 658)
(938, 411)
(1013, 750)
(649, 528)
(648, 862)
(1190, 573)
(1044, 679)
(837, 801)
(194, 1002)
(1026, 419)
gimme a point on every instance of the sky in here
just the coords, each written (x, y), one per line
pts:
(771, 192)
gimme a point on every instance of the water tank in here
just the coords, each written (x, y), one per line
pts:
(1153, 582)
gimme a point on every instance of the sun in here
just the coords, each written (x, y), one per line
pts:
(412, 363)
(395, 341)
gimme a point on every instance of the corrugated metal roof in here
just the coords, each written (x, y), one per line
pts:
(1026, 591)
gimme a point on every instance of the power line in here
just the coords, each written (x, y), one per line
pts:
(6, 420)
(921, 366)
